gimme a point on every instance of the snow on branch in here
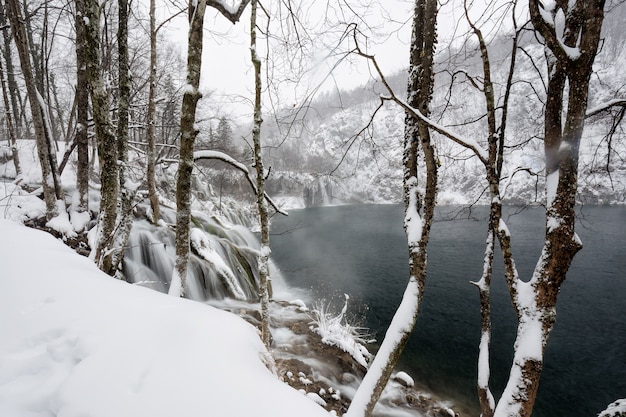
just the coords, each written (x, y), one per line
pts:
(221, 156)
(618, 102)
(229, 11)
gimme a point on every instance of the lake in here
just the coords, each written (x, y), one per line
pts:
(361, 251)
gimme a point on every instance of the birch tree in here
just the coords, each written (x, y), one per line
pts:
(188, 132)
(264, 272)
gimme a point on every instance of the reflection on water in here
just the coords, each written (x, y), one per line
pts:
(361, 250)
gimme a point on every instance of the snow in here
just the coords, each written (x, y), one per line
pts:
(404, 378)
(61, 222)
(79, 220)
(76, 342)
(412, 220)
(552, 181)
(616, 409)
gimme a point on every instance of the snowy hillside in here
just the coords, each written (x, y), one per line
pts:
(75, 342)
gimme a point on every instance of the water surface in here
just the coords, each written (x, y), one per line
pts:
(361, 251)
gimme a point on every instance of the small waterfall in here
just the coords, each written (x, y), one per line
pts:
(323, 191)
(319, 192)
(223, 260)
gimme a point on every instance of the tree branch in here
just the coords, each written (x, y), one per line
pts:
(621, 102)
(229, 12)
(221, 156)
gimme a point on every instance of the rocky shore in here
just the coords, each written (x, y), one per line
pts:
(329, 375)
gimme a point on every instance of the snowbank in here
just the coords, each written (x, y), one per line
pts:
(75, 342)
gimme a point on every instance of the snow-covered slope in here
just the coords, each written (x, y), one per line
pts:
(76, 343)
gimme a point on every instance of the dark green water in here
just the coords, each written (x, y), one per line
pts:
(361, 251)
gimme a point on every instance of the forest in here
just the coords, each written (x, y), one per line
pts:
(121, 142)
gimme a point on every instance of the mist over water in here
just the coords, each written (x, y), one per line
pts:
(361, 251)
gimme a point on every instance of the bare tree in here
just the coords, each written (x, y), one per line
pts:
(264, 272)
(82, 110)
(419, 208)
(151, 135)
(13, 90)
(188, 132)
(51, 182)
(107, 143)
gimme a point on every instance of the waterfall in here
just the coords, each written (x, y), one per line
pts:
(222, 264)
(323, 191)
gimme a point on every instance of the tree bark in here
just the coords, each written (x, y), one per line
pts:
(107, 144)
(127, 194)
(264, 272)
(151, 137)
(188, 135)
(14, 91)
(570, 58)
(82, 111)
(10, 126)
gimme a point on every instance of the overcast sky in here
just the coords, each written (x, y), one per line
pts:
(227, 71)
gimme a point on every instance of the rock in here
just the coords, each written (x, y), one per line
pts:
(404, 379)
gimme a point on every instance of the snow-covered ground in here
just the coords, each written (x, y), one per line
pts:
(75, 342)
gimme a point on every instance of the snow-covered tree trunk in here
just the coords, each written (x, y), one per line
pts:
(127, 190)
(188, 133)
(151, 136)
(264, 272)
(50, 179)
(570, 56)
(419, 209)
(107, 143)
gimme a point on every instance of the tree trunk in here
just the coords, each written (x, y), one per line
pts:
(127, 194)
(14, 91)
(264, 272)
(82, 111)
(50, 181)
(107, 144)
(151, 152)
(10, 126)
(188, 134)
(419, 209)
(570, 58)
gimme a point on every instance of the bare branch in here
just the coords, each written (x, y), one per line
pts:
(231, 13)
(221, 156)
(618, 102)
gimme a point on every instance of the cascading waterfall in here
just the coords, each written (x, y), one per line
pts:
(324, 192)
(224, 265)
